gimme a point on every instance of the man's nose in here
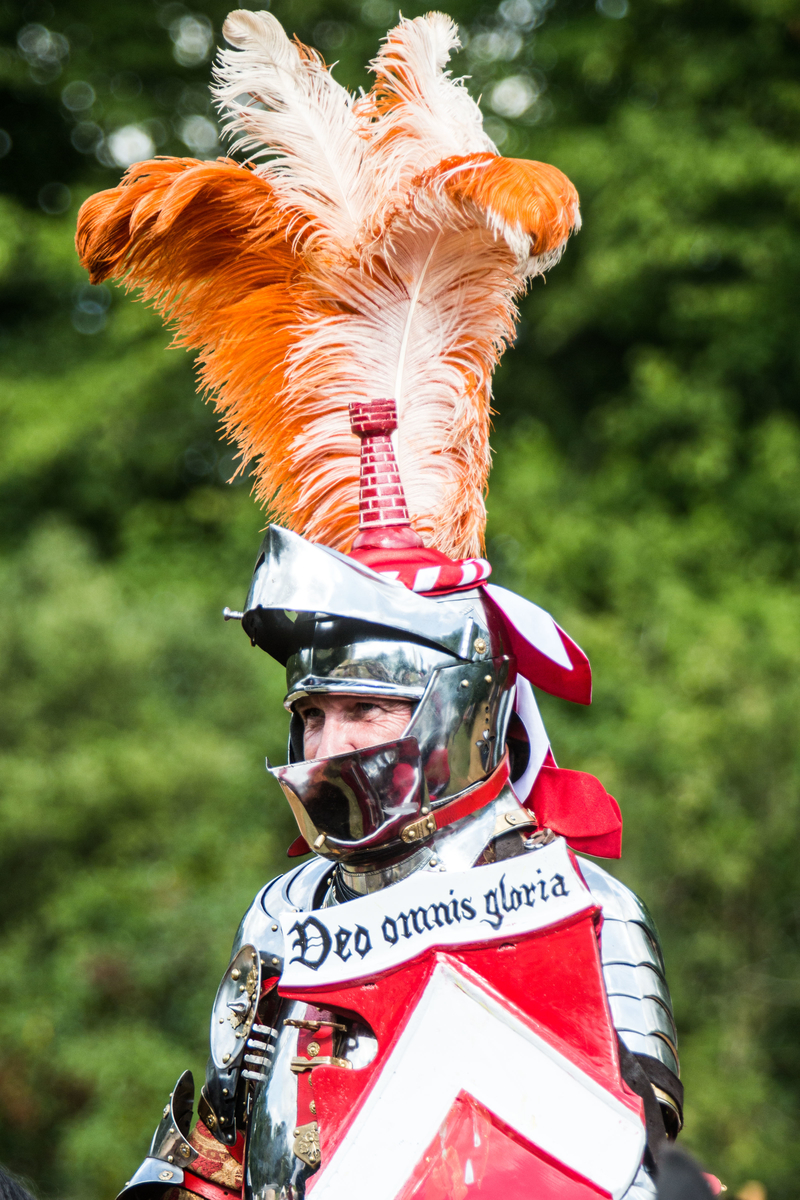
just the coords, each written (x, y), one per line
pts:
(337, 737)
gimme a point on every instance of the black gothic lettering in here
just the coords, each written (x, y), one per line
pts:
(362, 941)
(389, 930)
(342, 938)
(313, 941)
(440, 914)
(493, 915)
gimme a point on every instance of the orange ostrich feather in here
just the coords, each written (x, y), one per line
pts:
(369, 247)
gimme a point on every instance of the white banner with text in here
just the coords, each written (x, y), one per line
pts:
(431, 909)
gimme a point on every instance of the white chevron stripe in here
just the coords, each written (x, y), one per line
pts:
(462, 1038)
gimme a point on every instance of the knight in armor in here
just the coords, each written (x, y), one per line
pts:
(445, 996)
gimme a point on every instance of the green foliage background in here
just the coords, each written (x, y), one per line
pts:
(645, 491)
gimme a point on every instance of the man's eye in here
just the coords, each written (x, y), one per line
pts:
(366, 706)
(311, 714)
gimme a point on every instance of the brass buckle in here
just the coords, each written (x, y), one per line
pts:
(314, 1025)
(417, 830)
(300, 1063)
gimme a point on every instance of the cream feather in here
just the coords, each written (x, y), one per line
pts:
(421, 115)
(283, 107)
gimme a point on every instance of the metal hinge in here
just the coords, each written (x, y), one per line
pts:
(306, 1143)
(299, 1063)
(417, 830)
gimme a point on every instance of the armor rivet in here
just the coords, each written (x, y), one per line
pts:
(464, 683)
(274, 928)
(313, 1049)
(480, 645)
(255, 955)
(424, 810)
(275, 961)
(166, 1114)
(242, 988)
(170, 1158)
(222, 1022)
(225, 1092)
(235, 973)
(226, 1058)
(487, 679)
(434, 861)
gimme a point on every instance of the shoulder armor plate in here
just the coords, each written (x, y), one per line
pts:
(633, 969)
(293, 892)
(259, 928)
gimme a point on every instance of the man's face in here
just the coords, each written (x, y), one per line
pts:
(339, 724)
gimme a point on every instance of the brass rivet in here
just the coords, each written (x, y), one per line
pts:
(170, 1158)
(424, 810)
(225, 1092)
(275, 961)
(480, 645)
(464, 683)
(274, 928)
(487, 679)
(313, 1049)
(226, 1058)
(433, 862)
(222, 1022)
(235, 973)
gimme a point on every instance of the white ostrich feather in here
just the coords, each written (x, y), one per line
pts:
(425, 114)
(287, 112)
(425, 326)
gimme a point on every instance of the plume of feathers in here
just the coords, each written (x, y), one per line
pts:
(368, 247)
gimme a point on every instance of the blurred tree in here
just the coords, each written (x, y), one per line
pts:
(646, 491)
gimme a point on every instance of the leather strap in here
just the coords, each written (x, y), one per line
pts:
(208, 1190)
(320, 1042)
(475, 797)
(468, 802)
